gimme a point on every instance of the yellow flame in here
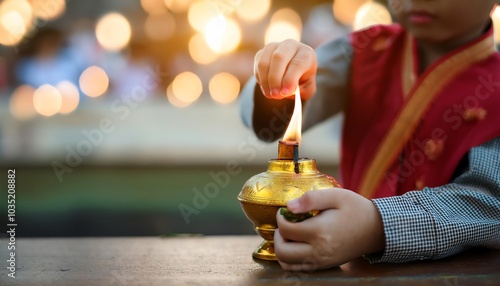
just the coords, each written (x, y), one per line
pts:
(294, 130)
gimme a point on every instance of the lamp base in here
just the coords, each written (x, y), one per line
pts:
(265, 251)
(264, 194)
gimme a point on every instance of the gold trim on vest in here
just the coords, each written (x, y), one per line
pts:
(419, 99)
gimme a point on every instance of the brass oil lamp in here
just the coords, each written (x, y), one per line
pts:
(287, 177)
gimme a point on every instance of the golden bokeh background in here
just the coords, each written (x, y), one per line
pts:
(198, 36)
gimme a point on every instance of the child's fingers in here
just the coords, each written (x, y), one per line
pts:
(318, 200)
(290, 251)
(304, 231)
(280, 60)
(301, 63)
(262, 65)
(300, 267)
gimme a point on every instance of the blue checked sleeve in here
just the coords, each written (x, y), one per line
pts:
(438, 222)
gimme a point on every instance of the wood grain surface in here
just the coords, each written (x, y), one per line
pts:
(217, 260)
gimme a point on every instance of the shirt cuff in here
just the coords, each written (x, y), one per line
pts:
(410, 230)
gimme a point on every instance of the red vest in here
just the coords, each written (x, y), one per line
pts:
(405, 131)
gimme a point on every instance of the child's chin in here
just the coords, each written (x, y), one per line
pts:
(427, 34)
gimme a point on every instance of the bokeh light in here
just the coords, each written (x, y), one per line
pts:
(223, 35)
(113, 31)
(70, 96)
(199, 50)
(15, 21)
(495, 16)
(159, 27)
(280, 31)
(288, 15)
(253, 10)
(371, 13)
(21, 103)
(8, 39)
(174, 100)
(187, 87)
(154, 7)
(285, 24)
(345, 10)
(224, 87)
(178, 6)
(200, 14)
(225, 7)
(47, 100)
(20, 6)
(94, 81)
(48, 9)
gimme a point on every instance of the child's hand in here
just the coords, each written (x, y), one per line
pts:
(347, 227)
(278, 67)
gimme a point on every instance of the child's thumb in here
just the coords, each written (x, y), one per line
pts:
(316, 200)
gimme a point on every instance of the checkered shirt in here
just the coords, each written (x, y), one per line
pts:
(438, 222)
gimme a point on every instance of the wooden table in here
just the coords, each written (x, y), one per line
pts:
(217, 260)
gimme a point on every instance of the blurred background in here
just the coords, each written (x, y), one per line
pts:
(116, 114)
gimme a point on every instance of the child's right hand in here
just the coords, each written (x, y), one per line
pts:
(278, 67)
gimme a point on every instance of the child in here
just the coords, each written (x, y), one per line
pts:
(420, 157)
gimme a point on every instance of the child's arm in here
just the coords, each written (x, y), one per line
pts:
(268, 116)
(438, 222)
(428, 224)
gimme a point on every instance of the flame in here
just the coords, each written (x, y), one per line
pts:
(294, 130)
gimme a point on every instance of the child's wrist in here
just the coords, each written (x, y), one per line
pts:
(377, 231)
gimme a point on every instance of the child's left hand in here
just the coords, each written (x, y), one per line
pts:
(347, 227)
